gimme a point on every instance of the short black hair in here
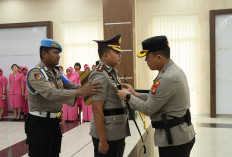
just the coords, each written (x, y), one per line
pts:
(14, 65)
(97, 62)
(77, 64)
(43, 48)
(102, 50)
(165, 52)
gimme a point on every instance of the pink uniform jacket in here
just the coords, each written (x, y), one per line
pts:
(70, 113)
(15, 82)
(80, 100)
(24, 101)
(87, 109)
(4, 82)
(15, 91)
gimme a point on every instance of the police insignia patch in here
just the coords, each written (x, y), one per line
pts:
(100, 67)
(54, 45)
(37, 76)
(53, 85)
(154, 87)
(61, 84)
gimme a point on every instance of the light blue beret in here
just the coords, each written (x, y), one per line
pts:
(51, 43)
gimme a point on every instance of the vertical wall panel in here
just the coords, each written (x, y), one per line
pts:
(118, 17)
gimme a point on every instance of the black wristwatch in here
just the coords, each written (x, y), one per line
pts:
(128, 96)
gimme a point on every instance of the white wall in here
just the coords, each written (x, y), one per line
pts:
(145, 9)
(57, 11)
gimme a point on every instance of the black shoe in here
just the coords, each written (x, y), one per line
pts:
(18, 119)
(15, 119)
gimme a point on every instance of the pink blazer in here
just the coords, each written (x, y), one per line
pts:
(3, 82)
(15, 82)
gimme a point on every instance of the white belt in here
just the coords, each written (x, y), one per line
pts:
(43, 114)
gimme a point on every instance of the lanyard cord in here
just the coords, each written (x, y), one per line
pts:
(119, 87)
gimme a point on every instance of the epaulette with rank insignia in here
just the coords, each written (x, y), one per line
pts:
(100, 67)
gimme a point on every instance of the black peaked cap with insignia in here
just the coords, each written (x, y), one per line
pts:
(113, 43)
(153, 44)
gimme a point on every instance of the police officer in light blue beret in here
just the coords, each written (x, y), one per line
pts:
(48, 89)
(168, 101)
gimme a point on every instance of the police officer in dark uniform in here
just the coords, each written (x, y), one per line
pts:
(109, 124)
(48, 89)
(168, 101)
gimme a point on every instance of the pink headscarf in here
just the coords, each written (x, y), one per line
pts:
(72, 77)
(86, 66)
(21, 67)
(93, 67)
(24, 67)
(3, 77)
(71, 71)
(71, 68)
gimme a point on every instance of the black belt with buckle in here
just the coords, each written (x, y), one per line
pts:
(114, 111)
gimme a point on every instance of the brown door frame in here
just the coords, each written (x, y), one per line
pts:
(213, 14)
(48, 24)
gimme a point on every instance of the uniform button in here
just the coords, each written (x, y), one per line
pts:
(114, 118)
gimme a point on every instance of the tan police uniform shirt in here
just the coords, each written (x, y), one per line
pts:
(52, 93)
(116, 126)
(169, 94)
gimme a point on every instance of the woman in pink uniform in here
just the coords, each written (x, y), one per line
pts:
(93, 67)
(5, 113)
(61, 69)
(80, 100)
(24, 98)
(3, 91)
(20, 69)
(16, 91)
(70, 113)
(87, 109)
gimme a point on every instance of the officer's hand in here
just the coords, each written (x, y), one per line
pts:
(128, 87)
(89, 89)
(122, 94)
(103, 147)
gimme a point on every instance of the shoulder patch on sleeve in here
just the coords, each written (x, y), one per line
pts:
(154, 87)
(100, 67)
(38, 76)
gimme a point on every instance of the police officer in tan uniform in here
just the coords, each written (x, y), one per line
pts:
(109, 124)
(48, 89)
(168, 101)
